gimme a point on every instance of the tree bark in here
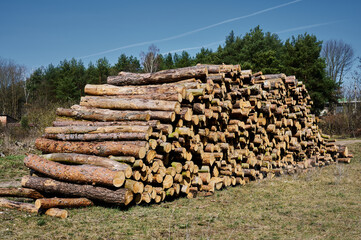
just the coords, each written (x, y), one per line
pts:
(98, 136)
(63, 122)
(99, 129)
(20, 192)
(163, 116)
(46, 203)
(111, 90)
(121, 196)
(73, 173)
(103, 149)
(104, 115)
(90, 160)
(166, 76)
(129, 104)
(28, 207)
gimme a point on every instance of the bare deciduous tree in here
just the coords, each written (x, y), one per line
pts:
(339, 59)
(150, 60)
(11, 87)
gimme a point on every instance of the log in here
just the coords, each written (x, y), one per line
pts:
(46, 203)
(129, 104)
(20, 192)
(167, 96)
(134, 186)
(99, 129)
(163, 116)
(75, 158)
(165, 76)
(74, 173)
(97, 148)
(62, 122)
(27, 207)
(121, 196)
(111, 90)
(97, 136)
(79, 112)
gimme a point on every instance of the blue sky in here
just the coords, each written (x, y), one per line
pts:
(39, 32)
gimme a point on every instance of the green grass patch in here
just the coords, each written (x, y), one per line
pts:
(12, 167)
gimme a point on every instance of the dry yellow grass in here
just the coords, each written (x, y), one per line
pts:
(319, 204)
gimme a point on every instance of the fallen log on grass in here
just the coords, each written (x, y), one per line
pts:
(75, 173)
(121, 196)
(30, 208)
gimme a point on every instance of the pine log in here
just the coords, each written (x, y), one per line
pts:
(46, 203)
(97, 136)
(96, 148)
(129, 104)
(80, 112)
(75, 158)
(75, 173)
(167, 96)
(163, 116)
(63, 122)
(165, 76)
(120, 196)
(28, 207)
(20, 192)
(99, 129)
(111, 90)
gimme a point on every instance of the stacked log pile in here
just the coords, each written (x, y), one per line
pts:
(143, 138)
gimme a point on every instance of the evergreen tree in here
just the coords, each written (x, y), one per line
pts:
(126, 64)
(205, 56)
(103, 67)
(301, 57)
(184, 60)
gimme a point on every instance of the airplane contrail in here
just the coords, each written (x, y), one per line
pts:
(282, 31)
(306, 27)
(193, 31)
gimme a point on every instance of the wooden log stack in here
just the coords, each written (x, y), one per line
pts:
(143, 138)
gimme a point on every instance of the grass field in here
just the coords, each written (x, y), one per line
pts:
(322, 203)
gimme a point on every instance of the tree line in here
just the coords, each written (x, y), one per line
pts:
(257, 50)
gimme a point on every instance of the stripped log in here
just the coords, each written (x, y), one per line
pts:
(75, 173)
(165, 76)
(120, 196)
(46, 203)
(96, 148)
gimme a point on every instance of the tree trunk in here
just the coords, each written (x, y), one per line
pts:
(103, 149)
(111, 90)
(98, 136)
(163, 116)
(63, 122)
(27, 207)
(46, 203)
(20, 192)
(73, 173)
(129, 103)
(90, 160)
(99, 129)
(166, 76)
(120, 196)
(104, 115)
